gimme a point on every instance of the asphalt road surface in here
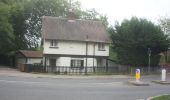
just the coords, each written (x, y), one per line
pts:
(20, 88)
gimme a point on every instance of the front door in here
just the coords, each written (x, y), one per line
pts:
(52, 64)
(99, 62)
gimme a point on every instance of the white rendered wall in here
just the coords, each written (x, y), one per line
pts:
(29, 60)
(34, 60)
(75, 48)
(66, 61)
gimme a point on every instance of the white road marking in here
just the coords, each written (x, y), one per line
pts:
(9, 81)
(109, 83)
(61, 84)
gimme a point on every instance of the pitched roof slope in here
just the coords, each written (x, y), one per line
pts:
(77, 30)
(31, 54)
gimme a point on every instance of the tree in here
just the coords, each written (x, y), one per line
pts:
(92, 14)
(18, 21)
(13, 15)
(165, 24)
(6, 30)
(132, 38)
(35, 9)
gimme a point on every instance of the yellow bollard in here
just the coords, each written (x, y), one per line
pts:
(137, 75)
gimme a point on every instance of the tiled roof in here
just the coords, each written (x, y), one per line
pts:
(31, 54)
(77, 30)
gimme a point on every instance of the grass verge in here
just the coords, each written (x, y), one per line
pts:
(164, 97)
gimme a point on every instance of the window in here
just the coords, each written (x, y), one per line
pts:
(52, 62)
(54, 43)
(77, 63)
(101, 47)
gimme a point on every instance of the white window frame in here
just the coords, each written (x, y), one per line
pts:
(101, 47)
(77, 63)
(54, 43)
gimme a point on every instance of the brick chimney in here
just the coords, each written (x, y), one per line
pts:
(71, 15)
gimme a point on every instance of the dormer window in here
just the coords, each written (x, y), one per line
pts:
(101, 47)
(54, 43)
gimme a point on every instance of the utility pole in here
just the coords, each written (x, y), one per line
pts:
(70, 6)
(149, 59)
(86, 54)
(70, 3)
(93, 56)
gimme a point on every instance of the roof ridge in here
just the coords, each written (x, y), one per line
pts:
(84, 20)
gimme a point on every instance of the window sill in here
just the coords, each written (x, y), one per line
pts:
(77, 68)
(53, 47)
(102, 50)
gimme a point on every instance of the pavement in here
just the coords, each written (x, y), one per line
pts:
(16, 73)
(138, 83)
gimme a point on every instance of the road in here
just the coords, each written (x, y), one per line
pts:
(15, 85)
(21, 88)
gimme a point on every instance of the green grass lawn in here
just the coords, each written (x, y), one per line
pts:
(165, 97)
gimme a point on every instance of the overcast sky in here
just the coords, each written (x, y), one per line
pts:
(121, 9)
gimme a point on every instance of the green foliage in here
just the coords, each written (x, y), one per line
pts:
(6, 30)
(13, 26)
(112, 54)
(18, 21)
(132, 39)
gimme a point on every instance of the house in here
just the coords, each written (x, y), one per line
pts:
(75, 43)
(28, 57)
